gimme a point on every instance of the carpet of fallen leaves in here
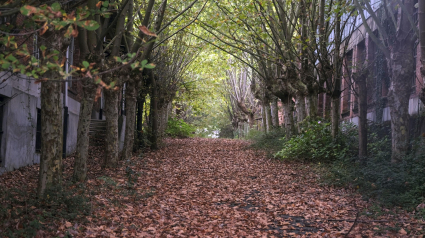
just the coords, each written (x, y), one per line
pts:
(216, 188)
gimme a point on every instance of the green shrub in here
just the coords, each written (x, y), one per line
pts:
(179, 128)
(315, 143)
(269, 142)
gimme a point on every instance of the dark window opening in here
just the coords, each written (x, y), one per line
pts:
(38, 132)
(1, 128)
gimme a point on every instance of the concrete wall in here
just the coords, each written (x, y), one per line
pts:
(22, 98)
(17, 147)
(74, 112)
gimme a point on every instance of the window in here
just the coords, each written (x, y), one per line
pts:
(38, 132)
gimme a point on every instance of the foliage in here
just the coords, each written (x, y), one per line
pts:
(226, 131)
(315, 143)
(179, 128)
(270, 142)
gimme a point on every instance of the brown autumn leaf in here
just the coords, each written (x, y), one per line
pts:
(44, 28)
(146, 31)
(99, 4)
(68, 224)
(74, 32)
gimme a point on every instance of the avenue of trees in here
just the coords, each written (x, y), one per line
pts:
(237, 59)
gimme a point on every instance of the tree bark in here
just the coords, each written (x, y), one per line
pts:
(275, 113)
(335, 88)
(154, 113)
(50, 172)
(335, 115)
(268, 117)
(111, 140)
(140, 105)
(421, 13)
(263, 114)
(82, 150)
(362, 98)
(401, 67)
(300, 107)
(288, 118)
(311, 105)
(130, 124)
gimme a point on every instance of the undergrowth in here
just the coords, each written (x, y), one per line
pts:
(388, 184)
(269, 142)
(315, 143)
(180, 129)
(391, 184)
(69, 202)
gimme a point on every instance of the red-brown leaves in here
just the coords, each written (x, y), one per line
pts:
(218, 188)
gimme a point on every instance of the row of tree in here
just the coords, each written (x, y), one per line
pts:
(298, 49)
(116, 40)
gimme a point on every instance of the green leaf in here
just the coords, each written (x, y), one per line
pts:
(112, 85)
(149, 66)
(134, 65)
(90, 25)
(86, 64)
(11, 58)
(117, 59)
(5, 65)
(28, 10)
(144, 62)
(105, 4)
(56, 7)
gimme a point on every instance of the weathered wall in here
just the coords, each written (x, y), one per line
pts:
(22, 98)
(74, 112)
(19, 122)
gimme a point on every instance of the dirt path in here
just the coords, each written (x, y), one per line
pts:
(212, 188)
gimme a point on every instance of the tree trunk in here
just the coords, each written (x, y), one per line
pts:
(263, 114)
(421, 13)
(50, 172)
(401, 67)
(336, 87)
(275, 113)
(130, 124)
(362, 97)
(251, 120)
(111, 140)
(268, 117)
(82, 150)
(154, 113)
(300, 107)
(288, 118)
(140, 105)
(51, 134)
(311, 104)
(335, 115)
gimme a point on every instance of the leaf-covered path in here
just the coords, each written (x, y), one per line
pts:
(211, 188)
(220, 188)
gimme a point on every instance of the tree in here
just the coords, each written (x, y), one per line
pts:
(395, 41)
